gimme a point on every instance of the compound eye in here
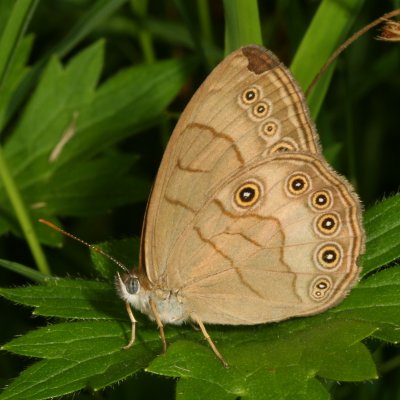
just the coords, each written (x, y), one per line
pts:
(132, 285)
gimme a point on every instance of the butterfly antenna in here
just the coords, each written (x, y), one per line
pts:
(91, 246)
(384, 18)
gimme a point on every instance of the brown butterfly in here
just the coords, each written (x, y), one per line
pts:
(247, 223)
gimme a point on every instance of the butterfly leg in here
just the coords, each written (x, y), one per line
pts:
(133, 324)
(159, 325)
(209, 340)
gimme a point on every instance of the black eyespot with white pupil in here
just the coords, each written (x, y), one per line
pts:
(328, 224)
(322, 285)
(247, 194)
(321, 200)
(320, 288)
(298, 184)
(261, 109)
(329, 256)
(249, 96)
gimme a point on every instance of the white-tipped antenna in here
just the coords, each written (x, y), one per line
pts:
(91, 246)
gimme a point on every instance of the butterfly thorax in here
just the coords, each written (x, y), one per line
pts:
(140, 293)
(169, 305)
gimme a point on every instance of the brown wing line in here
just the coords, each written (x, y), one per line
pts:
(219, 135)
(237, 271)
(180, 203)
(333, 180)
(262, 219)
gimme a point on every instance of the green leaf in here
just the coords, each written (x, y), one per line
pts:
(13, 33)
(382, 226)
(126, 251)
(297, 354)
(242, 24)
(127, 103)
(319, 42)
(77, 355)
(68, 122)
(61, 93)
(18, 70)
(23, 270)
(195, 389)
(79, 188)
(353, 364)
(67, 298)
(99, 12)
(376, 300)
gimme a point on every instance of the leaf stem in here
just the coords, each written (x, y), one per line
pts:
(390, 365)
(145, 39)
(22, 215)
(347, 43)
(13, 32)
(23, 270)
(205, 21)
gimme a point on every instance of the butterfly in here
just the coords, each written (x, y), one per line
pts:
(246, 223)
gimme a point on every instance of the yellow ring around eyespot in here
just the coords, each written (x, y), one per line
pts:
(261, 109)
(324, 195)
(298, 179)
(334, 251)
(319, 293)
(253, 190)
(323, 219)
(248, 91)
(270, 128)
(281, 147)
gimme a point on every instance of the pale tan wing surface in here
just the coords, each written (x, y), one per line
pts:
(278, 239)
(247, 109)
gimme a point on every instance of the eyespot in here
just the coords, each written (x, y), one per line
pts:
(261, 109)
(327, 224)
(270, 128)
(247, 194)
(250, 95)
(297, 184)
(328, 256)
(283, 146)
(320, 288)
(321, 200)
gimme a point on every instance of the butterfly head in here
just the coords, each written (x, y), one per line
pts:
(127, 285)
(134, 289)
